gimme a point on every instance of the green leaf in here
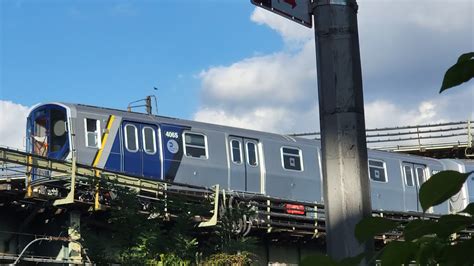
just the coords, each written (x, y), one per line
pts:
(450, 224)
(440, 187)
(398, 253)
(465, 57)
(318, 259)
(429, 250)
(459, 254)
(460, 72)
(469, 209)
(418, 228)
(372, 226)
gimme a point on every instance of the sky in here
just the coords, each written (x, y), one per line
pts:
(225, 62)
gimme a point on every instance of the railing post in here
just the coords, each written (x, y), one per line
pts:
(29, 169)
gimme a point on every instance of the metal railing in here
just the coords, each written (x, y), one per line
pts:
(416, 138)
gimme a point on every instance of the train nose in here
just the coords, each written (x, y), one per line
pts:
(47, 131)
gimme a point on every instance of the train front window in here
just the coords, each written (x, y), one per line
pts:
(58, 130)
(40, 139)
(92, 133)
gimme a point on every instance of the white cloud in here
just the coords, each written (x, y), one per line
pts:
(290, 31)
(12, 124)
(383, 113)
(280, 78)
(270, 119)
(405, 49)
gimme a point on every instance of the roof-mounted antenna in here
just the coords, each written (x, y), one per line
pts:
(147, 104)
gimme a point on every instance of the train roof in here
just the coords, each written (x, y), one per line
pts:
(209, 126)
(178, 121)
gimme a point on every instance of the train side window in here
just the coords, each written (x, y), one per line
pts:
(236, 151)
(292, 159)
(149, 140)
(408, 175)
(377, 170)
(92, 127)
(195, 145)
(131, 138)
(252, 154)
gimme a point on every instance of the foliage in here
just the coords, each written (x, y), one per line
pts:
(438, 190)
(460, 72)
(227, 236)
(242, 258)
(139, 232)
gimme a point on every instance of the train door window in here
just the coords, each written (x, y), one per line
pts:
(408, 170)
(195, 145)
(420, 175)
(92, 132)
(131, 138)
(377, 171)
(236, 151)
(252, 154)
(149, 140)
(291, 159)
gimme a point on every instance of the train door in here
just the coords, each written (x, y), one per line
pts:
(420, 178)
(244, 164)
(414, 176)
(410, 191)
(141, 154)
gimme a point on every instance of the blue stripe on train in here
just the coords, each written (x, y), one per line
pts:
(171, 139)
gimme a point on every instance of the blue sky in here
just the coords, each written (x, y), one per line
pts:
(113, 52)
(226, 61)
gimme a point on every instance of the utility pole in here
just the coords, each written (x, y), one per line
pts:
(341, 108)
(341, 113)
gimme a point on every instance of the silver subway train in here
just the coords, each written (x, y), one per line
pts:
(176, 150)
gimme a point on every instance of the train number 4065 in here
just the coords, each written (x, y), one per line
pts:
(171, 134)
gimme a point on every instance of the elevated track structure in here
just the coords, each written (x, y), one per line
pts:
(441, 140)
(66, 186)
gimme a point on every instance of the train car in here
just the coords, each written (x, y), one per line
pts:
(396, 179)
(156, 147)
(239, 160)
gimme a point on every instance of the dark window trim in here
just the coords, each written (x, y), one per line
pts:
(206, 150)
(126, 138)
(247, 152)
(384, 167)
(154, 140)
(412, 176)
(232, 151)
(98, 133)
(299, 155)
